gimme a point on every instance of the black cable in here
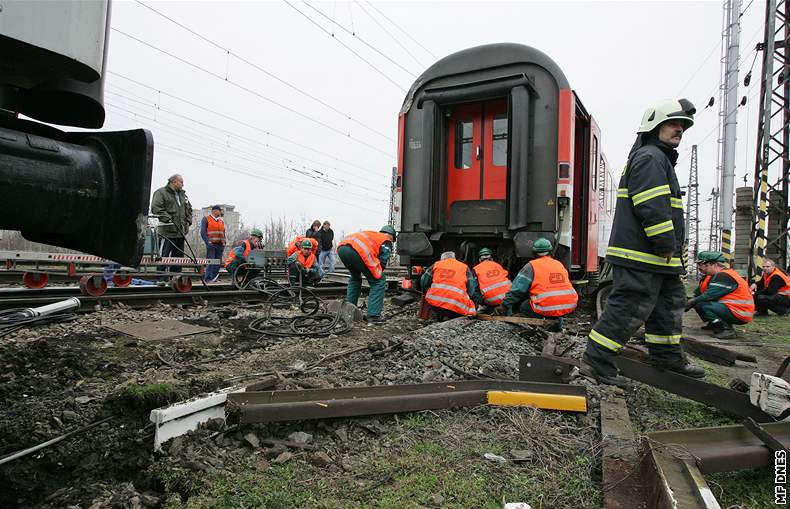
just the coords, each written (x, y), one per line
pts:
(312, 322)
(14, 319)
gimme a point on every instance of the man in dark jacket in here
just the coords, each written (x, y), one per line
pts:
(325, 243)
(772, 291)
(171, 205)
(644, 250)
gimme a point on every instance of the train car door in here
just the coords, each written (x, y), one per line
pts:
(477, 164)
(593, 205)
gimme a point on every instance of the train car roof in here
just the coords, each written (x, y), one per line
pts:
(487, 56)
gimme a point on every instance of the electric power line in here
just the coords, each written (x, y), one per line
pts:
(401, 29)
(384, 29)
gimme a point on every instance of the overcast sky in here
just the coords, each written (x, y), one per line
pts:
(236, 127)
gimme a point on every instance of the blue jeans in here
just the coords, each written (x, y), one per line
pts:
(323, 255)
(213, 251)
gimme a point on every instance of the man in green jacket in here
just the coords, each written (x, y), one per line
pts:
(171, 206)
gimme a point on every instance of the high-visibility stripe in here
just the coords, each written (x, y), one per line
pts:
(449, 300)
(558, 307)
(676, 203)
(448, 287)
(653, 192)
(494, 301)
(622, 192)
(741, 313)
(663, 339)
(630, 254)
(553, 294)
(733, 301)
(658, 229)
(495, 285)
(721, 285)
(784, 292)
(604, 341)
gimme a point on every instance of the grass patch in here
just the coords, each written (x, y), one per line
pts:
(146, 397)
(746, 489)
(771, 329)
(653, 409)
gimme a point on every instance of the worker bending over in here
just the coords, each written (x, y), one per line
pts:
(772, 291)
(492, 279)
(303, 266)
(240, 255)
(722, 298)
(296, 245)
(450, 288)
(542, 289)
(367, 253)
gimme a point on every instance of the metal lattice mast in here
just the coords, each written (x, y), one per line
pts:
(393, 188)
(769, 233)
(692, 207)
(713, 240)
(729, 85)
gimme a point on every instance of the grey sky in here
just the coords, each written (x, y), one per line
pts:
(618, 56)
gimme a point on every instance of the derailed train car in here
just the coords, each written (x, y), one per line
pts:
(495, 149)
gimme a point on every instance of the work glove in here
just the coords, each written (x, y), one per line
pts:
(690, 304)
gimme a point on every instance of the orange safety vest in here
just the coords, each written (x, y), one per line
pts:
(493, 280)
(297, 243)
(306, 262)
(367, 244)
(216, 229)
(739, 301)
(247, 248)
(785, 290)
(551, 293)
(448, 287)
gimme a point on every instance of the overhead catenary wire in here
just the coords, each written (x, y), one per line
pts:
(349, 48)
(384, 29)
(265, 71)
(253, 92)
(401, 29)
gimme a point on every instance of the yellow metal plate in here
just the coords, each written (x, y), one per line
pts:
(538, 400)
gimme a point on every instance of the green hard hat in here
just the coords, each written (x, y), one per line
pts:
(673, 109)
(710, 257)
(256, 233)
(307, 243)
(541, 245)
(485, 252)
(387, 228)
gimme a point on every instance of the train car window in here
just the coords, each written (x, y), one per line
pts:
(595, 163)
(499, 152)
(464, 136)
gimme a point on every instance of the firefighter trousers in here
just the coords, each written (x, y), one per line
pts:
(639, 297)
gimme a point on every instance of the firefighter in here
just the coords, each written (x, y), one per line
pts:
(491, 278)
(644, 251)
(772, 291)
(240, 254)
(302, 266)
(367, 253)
(450, 288)
(722, 298)
(542, 289)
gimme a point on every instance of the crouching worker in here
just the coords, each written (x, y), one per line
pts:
(542, 289)
(367, 253)
(450, 288)
(722, 298)
(492, 279)
(303, 266)
(240, 255)
(772, 291)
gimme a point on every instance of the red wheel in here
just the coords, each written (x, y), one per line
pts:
(94, 285)
(35, 280)
(121, 279)
(181, 284)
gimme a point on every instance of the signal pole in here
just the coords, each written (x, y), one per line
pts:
(713, 241)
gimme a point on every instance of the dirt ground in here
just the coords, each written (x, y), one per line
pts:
(60, 377)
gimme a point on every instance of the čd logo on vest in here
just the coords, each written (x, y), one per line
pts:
(556, 277)
(448, 273)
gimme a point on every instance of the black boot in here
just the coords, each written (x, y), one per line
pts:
(601, 366)
(707, 326)
(671, 358)
(722, 330)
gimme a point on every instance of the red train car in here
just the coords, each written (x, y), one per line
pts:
(496, 150)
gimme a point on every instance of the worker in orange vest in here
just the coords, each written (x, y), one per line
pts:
(450, 288)
(367, 253)
(772, 291)
(542, 288)
(212, 231)
(303, 266)
(491, 278)
(240, 254)
(723, 298)
(296, 245)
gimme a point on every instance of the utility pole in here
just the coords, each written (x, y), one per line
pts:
(769, 232)
(729, 92)
(713, 240)
(692, 208)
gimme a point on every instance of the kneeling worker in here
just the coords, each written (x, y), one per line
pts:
(772, 291)
(450, 288)
(367, 252)
(722, 298)
(240, 253)
(492, 278)
(542, 289)
(302, 266)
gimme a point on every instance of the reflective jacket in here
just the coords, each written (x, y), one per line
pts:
(739, 301)
(297, 243)
(448, 287)
(493, 281)
(551, 293)
(648, 219)
(307, 262)
(247, 245)
(215, 230)
(367, 244)
(785, 289)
